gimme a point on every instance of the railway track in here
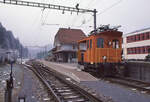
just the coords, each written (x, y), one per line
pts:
(139, 85)
(62, 90)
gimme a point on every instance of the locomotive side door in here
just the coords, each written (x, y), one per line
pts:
(82, 57)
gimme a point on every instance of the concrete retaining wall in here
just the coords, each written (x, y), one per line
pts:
(139, 70)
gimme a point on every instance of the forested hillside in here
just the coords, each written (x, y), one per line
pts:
(9, 42)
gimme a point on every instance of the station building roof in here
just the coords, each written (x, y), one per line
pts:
(69, 36)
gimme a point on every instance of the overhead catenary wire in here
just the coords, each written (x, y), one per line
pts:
(91, 3)
(110, 7)
(105, 10)
(46, 16)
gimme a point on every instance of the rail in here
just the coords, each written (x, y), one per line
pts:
(77, 94)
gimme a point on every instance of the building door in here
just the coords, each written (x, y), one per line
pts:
(65, 57)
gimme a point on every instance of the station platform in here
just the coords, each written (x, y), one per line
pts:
(70, 70)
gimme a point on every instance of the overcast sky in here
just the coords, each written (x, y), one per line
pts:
(26, 22)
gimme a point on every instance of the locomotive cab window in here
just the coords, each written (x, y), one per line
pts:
(100, 43)
(87, 44)
(116, 44)
(91, 43)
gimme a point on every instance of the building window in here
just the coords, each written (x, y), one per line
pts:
(139, 50)
(131, 38)
(144, 50)
(87, 43)
(127, 50)
(74, 55)
(142, 36)
(91, 43)
(130, 50)
(134, 38)
(139, 37)
(127, 39)
(148, 50)
(147, 35)
(73, 46)
(100, 43)
(135, 52)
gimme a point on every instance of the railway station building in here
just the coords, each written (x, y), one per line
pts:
(65, 44)
(136, 45)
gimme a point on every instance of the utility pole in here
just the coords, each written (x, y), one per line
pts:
(51, 6)
(95, 19)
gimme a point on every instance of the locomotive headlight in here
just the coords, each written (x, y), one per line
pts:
(104, 57)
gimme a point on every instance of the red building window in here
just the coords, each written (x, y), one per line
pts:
(137, 50)
(139, 37)
(142, 36)
(142, 50)
(148, 47)
(128, 50)
(134, 38)
(147, 35)
(128, 39)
